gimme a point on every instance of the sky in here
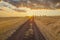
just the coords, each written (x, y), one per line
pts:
(13, 7)
(44, 3)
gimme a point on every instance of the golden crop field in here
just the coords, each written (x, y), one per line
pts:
(8, 25)
(49, 26)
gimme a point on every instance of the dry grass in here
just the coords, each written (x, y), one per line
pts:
(49, 26)
(8, 25)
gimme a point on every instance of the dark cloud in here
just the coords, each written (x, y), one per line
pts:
(15, 3)
(55, 1)
(45, 3)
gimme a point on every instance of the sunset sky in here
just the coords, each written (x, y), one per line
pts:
(14, 8)
(34, 3)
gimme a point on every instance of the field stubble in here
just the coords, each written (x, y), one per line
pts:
(49, 26)
(8, 25)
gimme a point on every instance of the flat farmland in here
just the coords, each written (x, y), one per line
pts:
(49, 26)
(8, 25)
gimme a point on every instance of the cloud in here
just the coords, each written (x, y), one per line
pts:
(46, 3)
(16, 0)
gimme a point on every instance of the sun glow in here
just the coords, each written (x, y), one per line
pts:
(29, 12)
(43, 12)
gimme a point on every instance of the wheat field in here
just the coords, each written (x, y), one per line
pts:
(49, 26)
(8, 25)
